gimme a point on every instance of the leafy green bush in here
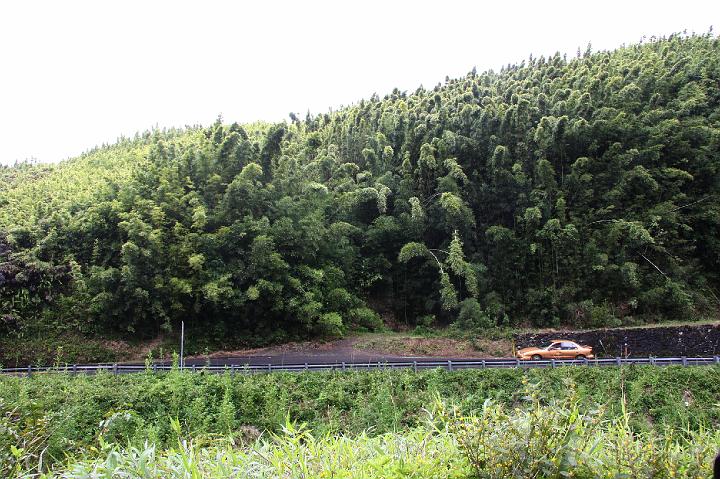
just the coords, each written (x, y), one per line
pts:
(366, 318)
(565, 439)
(424, 325)
(331, 324)
(472, 316)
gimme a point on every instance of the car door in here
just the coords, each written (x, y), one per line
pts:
(568, 350)
(553, 351)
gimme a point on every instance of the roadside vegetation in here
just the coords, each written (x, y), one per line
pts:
(568, 422)
(57, 416)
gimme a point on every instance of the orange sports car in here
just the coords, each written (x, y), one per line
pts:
(557, 349)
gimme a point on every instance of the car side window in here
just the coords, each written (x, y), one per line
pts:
(554, 346)
(567, 346)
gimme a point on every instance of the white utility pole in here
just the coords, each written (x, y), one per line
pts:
(182, 344)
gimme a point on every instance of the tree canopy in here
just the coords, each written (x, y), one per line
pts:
(559, 190)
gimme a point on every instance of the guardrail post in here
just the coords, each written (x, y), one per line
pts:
(415, 366)
(193, 368)
(306, 367)
(552, 362)
(269, 367)
(652, 361)
(154, 367)
(684, 361)
(343, 365)
(115, 368)
(482, 364)
(517, 362)
(29, 373)
(618, 360)
(717, 359)
(232, 370)
(74, 369)
(449, 365)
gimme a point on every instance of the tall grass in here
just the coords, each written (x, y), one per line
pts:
(50, 417)
(565, 440)
(532, 441)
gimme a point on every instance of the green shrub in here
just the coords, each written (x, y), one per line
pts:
(424, 325)
(331, 324)
(472, 316)
(366, 318)
(564, 439)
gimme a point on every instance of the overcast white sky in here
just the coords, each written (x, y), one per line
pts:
(75, 74)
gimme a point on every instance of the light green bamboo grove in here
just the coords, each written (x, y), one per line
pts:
(579, 190)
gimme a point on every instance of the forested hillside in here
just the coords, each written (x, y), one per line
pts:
(561, 190)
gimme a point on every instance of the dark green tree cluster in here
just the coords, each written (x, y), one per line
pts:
(578, 190)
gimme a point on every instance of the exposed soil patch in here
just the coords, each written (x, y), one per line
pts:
(436, 347)
(366, 347)
(311, 347)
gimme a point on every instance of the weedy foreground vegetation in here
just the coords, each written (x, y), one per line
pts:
(568, 422)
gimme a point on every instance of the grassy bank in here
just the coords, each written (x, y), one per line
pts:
(496, 442)
(70, 413)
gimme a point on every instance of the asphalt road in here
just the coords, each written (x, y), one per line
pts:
(310, 358)
(330, 362)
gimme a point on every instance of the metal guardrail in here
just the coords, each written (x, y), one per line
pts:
(450, 365)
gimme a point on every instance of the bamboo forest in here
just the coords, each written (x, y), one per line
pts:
(575, 190)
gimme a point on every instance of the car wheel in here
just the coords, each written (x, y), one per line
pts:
(536, 357)
(580, 356)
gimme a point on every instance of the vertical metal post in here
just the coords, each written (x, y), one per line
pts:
(154, 367)
(618, 360)
(269, 367)
(482, 363)
(193, 368)
(115, 368)
(684, 361)
(74, 369)
(182, 344)
(415, 366)
(232, 370)
(517, 362)
(717, 359)
(552, 362)
(29, 373)
(306, 367)
(343, 366)
(449, 365)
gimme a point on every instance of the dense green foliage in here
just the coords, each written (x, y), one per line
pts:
(64, 414)
(504, 423)
(526, 442)
(575, 190)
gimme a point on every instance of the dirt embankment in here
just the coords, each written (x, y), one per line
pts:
(662, 341)
(369, 347)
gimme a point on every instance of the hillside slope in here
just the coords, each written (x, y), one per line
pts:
(575, 190)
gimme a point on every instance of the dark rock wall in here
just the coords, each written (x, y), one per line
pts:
(668, 341)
